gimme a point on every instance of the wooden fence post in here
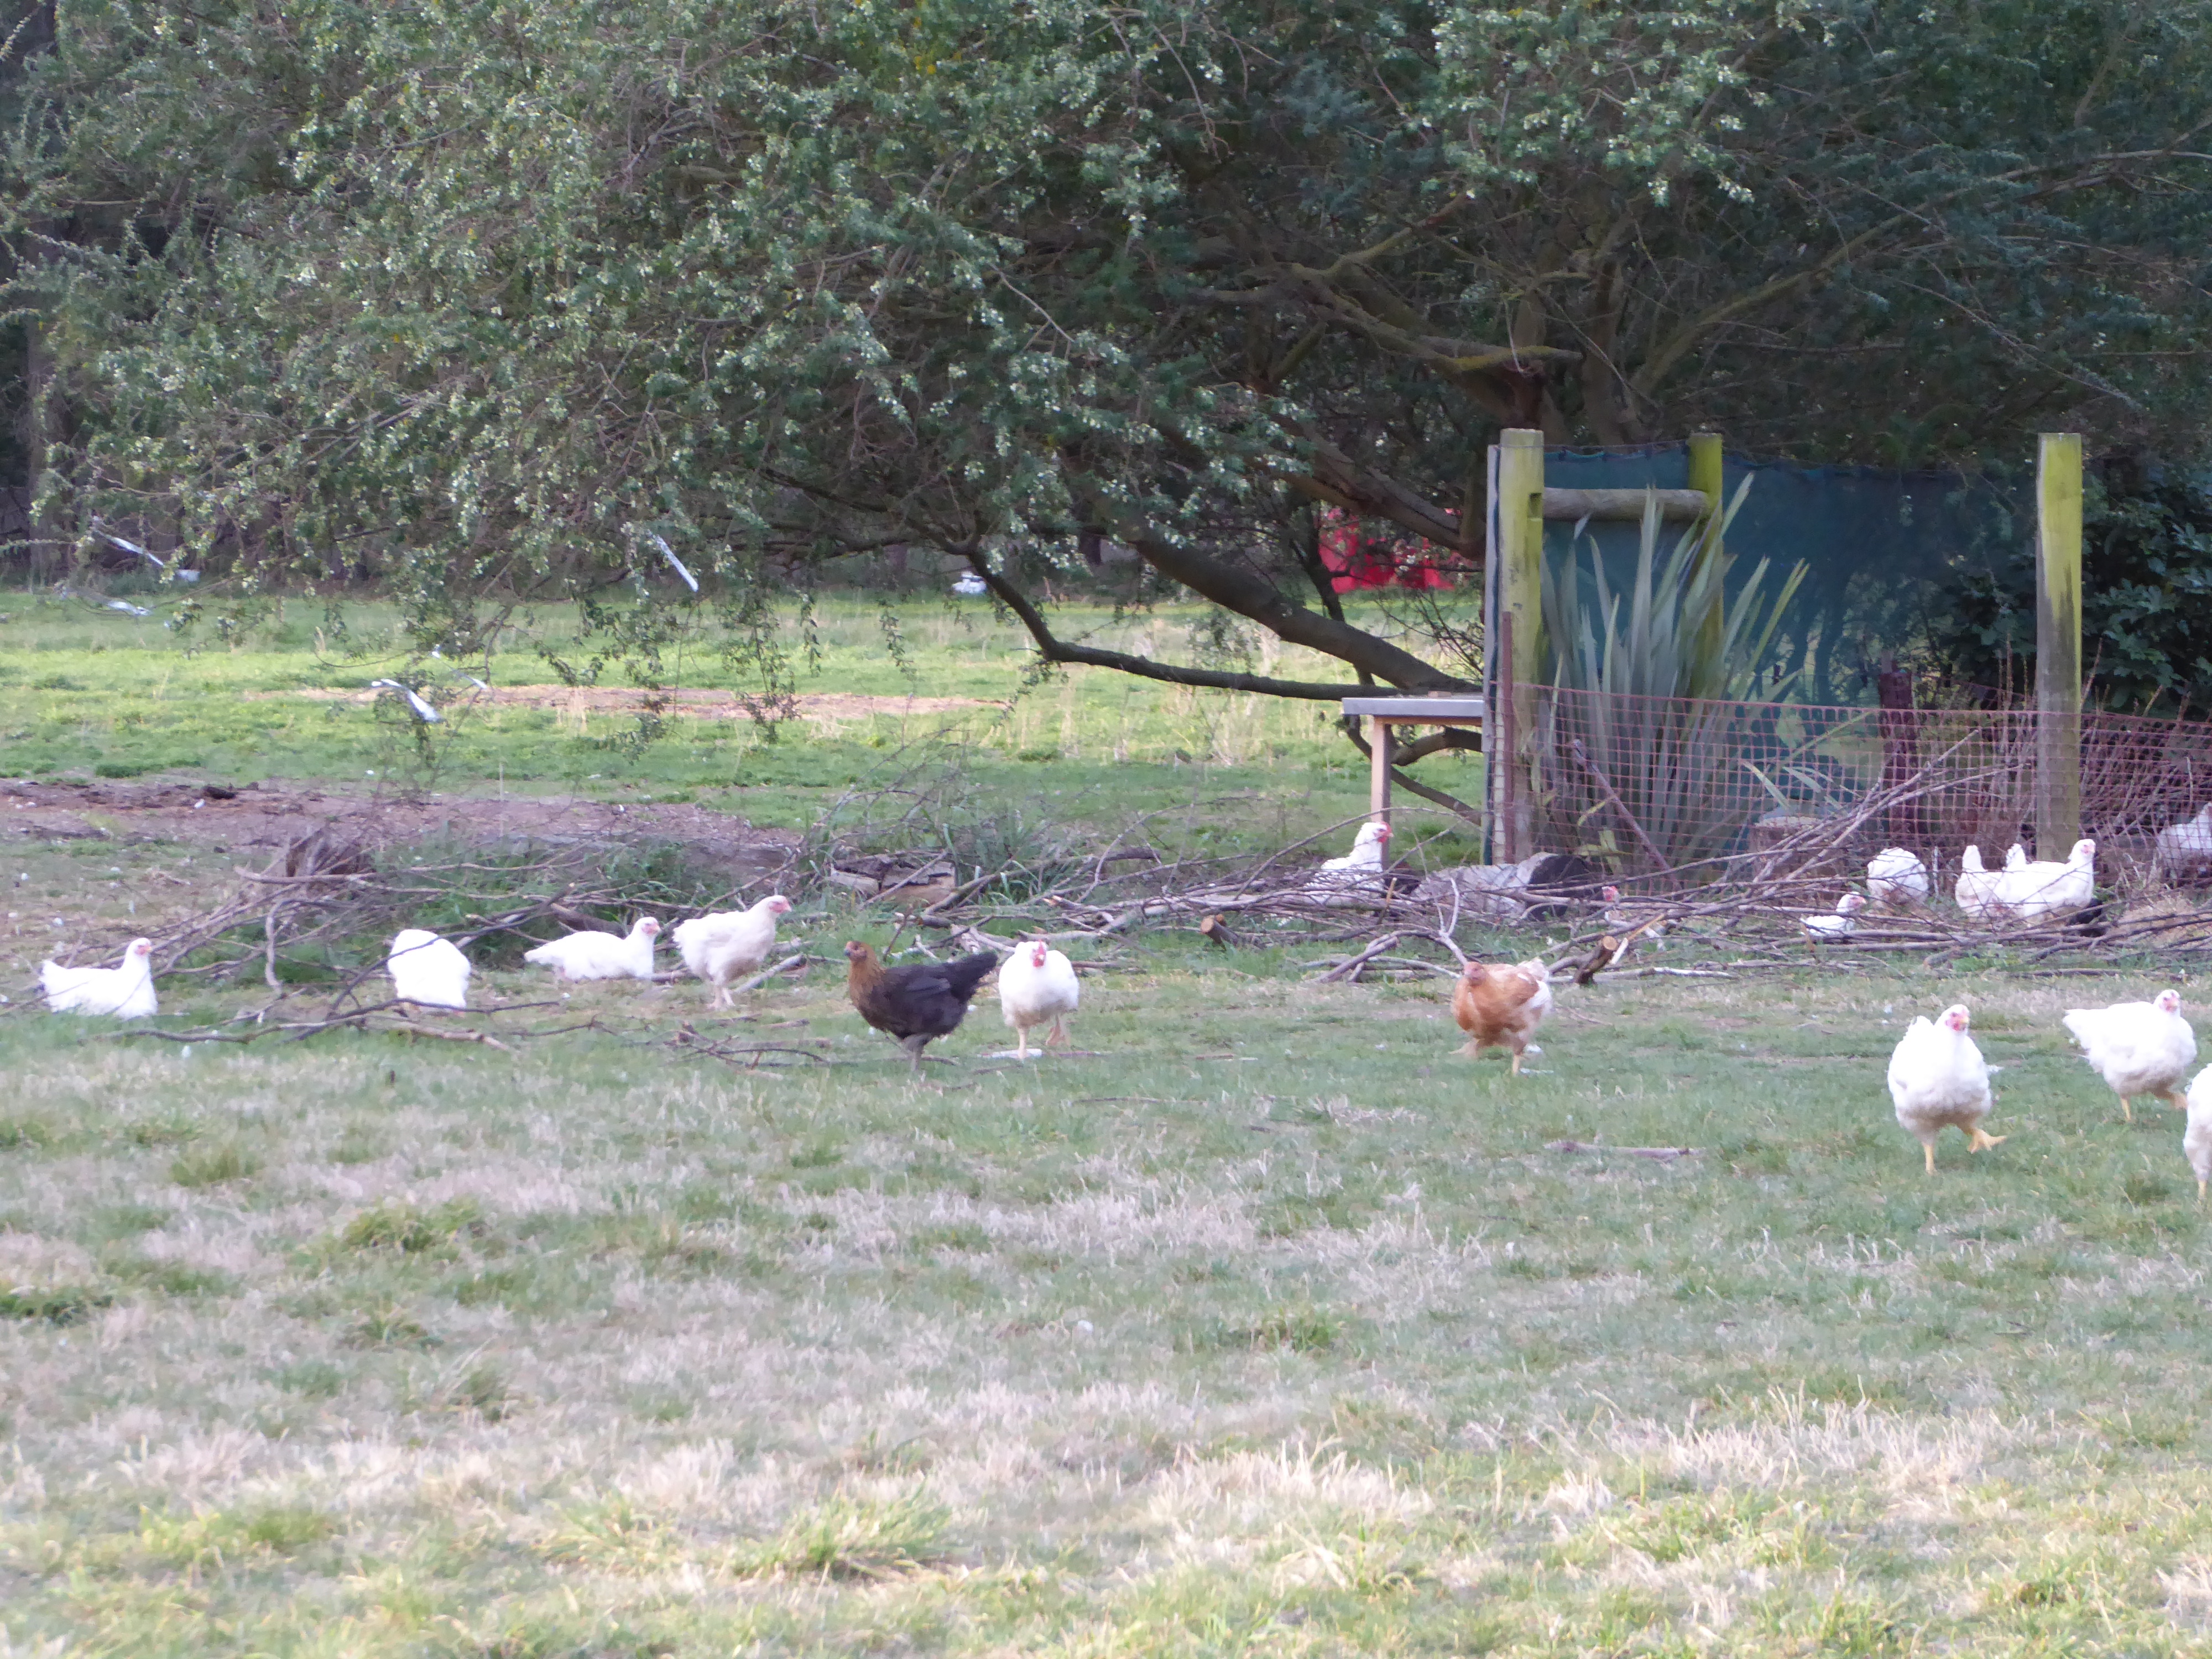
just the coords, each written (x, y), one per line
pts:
(1705, 474)
(1519, 506)
(2057, 644)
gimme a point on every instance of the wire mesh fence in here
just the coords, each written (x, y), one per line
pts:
(1682, 790)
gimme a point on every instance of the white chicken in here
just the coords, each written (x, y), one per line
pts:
(1037, 984)
(723, 947)
(1359, 873)
(427, 969)
(1827, 930)
(2197, 1138)
(2184, 849)
(2138, 1047)
(600, 955)
(1897, 879)
(1975, 889)
(2015, 857)
(126, 991)
(2043, 889)
(1937, 1077)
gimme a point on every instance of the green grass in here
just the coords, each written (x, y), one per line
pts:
(1316, 1349)
(1268, 1326)
(94, 694)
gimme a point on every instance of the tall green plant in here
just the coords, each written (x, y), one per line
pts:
(1681, 637)
(1642, 765)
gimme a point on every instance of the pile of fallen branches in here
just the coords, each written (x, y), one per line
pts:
(327, 906)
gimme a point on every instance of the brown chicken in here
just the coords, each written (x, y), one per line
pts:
(914, 1004)
(1501, 1008)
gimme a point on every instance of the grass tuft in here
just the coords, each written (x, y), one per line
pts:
(213, 1165)
(54, 1304)
(849, 1537)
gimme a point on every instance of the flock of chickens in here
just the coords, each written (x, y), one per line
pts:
(2025, 891)
(1937, 1076)
(914, 1004)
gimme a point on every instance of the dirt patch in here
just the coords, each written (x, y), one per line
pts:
(700, 702)
(266, 818)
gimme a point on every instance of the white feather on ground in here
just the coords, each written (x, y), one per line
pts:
(724, 947)
(1938, 1079)
(2138, 1047)
(1037, 985)
(126, 991)
(600, 955)
(428, 970)
(1897, 879)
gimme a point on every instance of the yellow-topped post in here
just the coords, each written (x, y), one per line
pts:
(2057, 644)
(1705, 474)
(1520, 508)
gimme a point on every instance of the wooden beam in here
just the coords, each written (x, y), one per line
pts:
(1706, 480)
(2057, 644)
(1520, 507)
(1625, 506)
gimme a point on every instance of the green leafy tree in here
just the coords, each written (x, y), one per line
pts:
(494, 299)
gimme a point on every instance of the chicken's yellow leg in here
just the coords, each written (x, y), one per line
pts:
(2126, 1110)
(1928, 1152)
(1978, 1141)
(1517, 1063)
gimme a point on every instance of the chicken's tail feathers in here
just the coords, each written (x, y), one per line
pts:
(969, 972)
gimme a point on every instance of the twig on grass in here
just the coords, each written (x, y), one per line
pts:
(797, 959)
(1656, 1154)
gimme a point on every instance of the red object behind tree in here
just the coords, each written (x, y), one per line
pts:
(1355, 561)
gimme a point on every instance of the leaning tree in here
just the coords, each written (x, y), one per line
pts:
(507, 298)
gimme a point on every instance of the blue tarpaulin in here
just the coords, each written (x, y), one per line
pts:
(1883, 550)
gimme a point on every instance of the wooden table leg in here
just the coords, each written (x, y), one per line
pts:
(1378, 761)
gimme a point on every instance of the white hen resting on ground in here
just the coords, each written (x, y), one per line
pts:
(2184, 849)
(1840, 925)
(2035, 891)
(1937, 1078)
(600, 955)
(1359, 873)
(1975, 889)
(724, 947)
(428, 970)
(1037, 984)
(126, 992)
(1897, 879)
(2138, 1047)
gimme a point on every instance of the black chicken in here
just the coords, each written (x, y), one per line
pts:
(917, 1003)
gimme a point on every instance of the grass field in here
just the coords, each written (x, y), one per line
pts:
(87, 691)
(1267, 1325)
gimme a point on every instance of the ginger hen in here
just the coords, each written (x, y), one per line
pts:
(1501, 1008)
(915, 1003)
